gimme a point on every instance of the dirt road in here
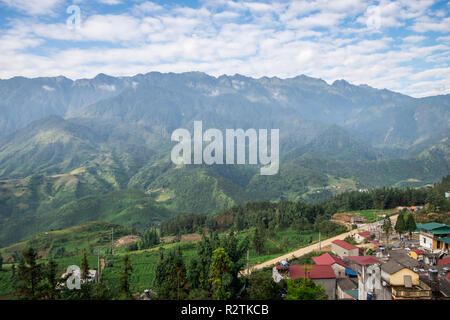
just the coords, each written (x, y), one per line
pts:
(302, 251)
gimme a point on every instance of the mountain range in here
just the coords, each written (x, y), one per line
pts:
(99, 149)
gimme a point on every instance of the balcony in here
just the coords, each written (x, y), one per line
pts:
(420, 292)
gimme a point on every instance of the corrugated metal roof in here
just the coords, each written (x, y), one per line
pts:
(345, 245)
(392, 267)
(352, 293)
(328, 259)
(314, 272)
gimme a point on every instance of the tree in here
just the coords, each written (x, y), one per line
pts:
(387, 227)
(220, 274)
(304, 289)
(400, 225)
(410, 224)
(149, 239)
(1, 262)
(170, 277)
(29, 276)
(262, 287)
(259, 239)
(50, 275)
(84, 267)
(125, 278)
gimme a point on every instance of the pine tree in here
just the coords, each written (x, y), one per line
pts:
(52, 282)
(400, 225)
(125, 278)
(410, 224)
(29, 276)
(259, 239)
(84, 267)
(387, 227)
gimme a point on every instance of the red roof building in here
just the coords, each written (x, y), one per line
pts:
(375, 243)
(328, 259)
(419, 252)
(312, 272)
(444, 261)
(363, 260)
(345, 245)
(365, 234)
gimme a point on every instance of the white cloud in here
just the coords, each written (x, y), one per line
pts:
(426, 24)
(325, 39)
(33, 7)
(414, 39)
(110, 2)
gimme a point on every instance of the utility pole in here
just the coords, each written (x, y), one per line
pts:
(112, 239)
(98, 265)
(248, 258)
(320, 244)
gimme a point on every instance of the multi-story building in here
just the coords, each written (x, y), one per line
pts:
(434, 236)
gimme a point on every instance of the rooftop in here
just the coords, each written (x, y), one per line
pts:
(402, 257)
(434, 227)
(430, 226)
(392, 267)
(312, 272)
(345, 245)
(363, 260)
(365, 234)
(443, 262)
(347, 284)
(328, 259)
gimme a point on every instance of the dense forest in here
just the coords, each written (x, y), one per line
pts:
(304, 216)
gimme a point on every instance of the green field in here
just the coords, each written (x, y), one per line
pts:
(373, 215)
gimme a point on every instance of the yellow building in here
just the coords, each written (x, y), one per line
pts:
(415, 254)
(404, 282)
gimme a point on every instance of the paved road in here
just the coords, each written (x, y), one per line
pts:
(308, 249)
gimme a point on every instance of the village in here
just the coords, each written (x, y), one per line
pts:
(371, 266)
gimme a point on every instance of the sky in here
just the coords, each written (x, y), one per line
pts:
(402, 45)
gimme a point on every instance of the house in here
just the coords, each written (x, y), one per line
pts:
(91, 276)
(355, 219)
(444, 262)
(416, 254)
(347, 289)
(343, 249)
(361, 236)
(335, 262)
(368, 271)
(440, 286)
(319, 274)
(434, 236)
(404, 283)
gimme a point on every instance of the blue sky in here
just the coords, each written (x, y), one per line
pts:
(399, 45)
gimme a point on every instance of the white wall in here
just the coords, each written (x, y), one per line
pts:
(426, 242)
